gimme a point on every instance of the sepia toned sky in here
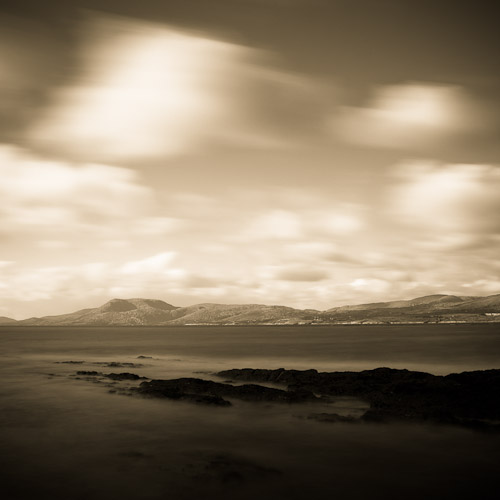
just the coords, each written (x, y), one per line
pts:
(310, 153)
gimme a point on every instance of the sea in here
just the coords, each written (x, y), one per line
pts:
(63, 436)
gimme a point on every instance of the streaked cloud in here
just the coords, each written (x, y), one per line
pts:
(298, 273)
(42, 195)
(276, 224)
(155, 264)
(147, 90)
(410, 116)
(451, 197)
(85, 240)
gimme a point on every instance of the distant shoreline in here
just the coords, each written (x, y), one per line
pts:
(443, 323)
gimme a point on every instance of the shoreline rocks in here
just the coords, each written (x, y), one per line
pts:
(182, 388)
(112, 376)
(468, 398)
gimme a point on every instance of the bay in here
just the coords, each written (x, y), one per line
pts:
(64, 437)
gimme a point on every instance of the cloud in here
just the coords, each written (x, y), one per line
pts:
(432, 221)
(156, 264)
(158, 225)
(296, 273)
(276, 224)
(455, 198)
(147, 90)
(408, 116)
(42, 195)
(66, 283)
(82, 207)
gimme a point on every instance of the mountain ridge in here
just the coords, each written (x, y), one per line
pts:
(439, 308)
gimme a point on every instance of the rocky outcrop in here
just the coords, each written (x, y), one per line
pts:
(469, 398)
(183, 388)
(112, 376)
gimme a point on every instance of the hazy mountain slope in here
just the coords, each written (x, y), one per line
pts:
(7, 321)
(114, 312)
(480, 304)
(130, 312)
(434, 300)
(433, 308)
(240, 313)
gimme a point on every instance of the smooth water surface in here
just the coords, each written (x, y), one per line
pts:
(67, 438)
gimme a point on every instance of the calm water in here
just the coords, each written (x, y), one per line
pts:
(73, 439)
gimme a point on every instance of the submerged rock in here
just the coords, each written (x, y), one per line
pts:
(331, 417)
(232, 469)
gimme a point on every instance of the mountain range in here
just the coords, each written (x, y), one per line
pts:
(150, 312)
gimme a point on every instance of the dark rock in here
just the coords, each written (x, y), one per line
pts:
(462, 399)
(170, 390)
(179, 388)
(124, 376)
(115, 364)
(112, 376)
(144, 357)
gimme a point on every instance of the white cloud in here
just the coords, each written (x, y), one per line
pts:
(451, 197)
(375, 286)
(408, 115)
(158, 225)
(38, 192)
(154, 264)
(307, 251)
(69, 283)
(147, 90)
(276, 224)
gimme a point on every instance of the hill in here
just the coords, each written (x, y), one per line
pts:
(115, 312)
(7, 321)
(149, 312)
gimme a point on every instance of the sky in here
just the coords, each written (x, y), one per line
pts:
(309, 153)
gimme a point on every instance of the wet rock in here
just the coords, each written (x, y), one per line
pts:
(463, 399)
(170, 390)
(116, 364)
(112, 376)
(124, 376)
(177, 388)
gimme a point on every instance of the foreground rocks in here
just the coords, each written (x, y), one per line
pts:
(112, 376)
(468, 398)
(207, 391)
